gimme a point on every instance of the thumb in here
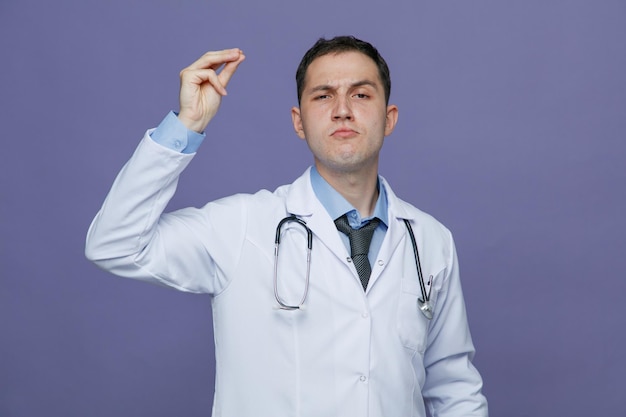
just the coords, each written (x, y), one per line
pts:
(230, 68)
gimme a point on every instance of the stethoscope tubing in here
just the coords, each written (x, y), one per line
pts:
(418, 264)
(424, 304)
(281, 303)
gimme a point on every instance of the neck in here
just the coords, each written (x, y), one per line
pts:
(360, 189)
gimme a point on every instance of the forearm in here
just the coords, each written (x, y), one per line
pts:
(129, 236)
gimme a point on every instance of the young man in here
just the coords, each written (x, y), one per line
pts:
(375, 331)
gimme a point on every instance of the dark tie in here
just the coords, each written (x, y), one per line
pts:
(359, 245)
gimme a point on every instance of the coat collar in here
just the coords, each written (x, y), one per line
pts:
(302, 202)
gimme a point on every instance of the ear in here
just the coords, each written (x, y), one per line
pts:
(392, 119)
(296, 118)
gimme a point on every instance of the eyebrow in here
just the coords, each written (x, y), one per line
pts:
(326, 87)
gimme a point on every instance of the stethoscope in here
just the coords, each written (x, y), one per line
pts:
(424, 304)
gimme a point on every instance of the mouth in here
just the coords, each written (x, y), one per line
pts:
(344, 132)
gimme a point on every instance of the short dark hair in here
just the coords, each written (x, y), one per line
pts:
(337, 45)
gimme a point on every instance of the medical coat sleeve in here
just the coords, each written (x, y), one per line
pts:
(453, 385)
(131, 236)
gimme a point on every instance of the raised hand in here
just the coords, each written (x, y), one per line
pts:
(202, 86)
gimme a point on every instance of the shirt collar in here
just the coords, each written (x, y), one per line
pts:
(336, 205)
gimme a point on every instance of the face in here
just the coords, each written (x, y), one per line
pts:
(343, 115)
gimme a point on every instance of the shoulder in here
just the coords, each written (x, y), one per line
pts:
(426, 221)
(422, 222)
(405, 210)
(258, 203)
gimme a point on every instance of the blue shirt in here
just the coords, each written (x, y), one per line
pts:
(172, 134)
(337, 206)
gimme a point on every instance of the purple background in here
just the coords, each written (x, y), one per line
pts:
(511, 132)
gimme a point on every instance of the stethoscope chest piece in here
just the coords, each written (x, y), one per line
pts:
(426, 308)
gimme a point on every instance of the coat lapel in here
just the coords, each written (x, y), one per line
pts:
(396, 230)
(302, 202)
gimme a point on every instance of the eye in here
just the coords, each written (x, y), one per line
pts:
(322, 97)
(361, 95)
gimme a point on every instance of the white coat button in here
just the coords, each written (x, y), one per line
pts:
(381, 262)
(365, 315)
(363, 378)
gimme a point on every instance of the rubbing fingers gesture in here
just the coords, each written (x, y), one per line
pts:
(202, 86)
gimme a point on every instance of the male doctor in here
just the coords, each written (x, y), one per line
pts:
(355, 340)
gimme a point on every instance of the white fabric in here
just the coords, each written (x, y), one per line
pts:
(349, 353)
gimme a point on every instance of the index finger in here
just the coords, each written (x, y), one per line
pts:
(214, 59)
(229, 69)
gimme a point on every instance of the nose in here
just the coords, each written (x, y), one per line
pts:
(342, 109)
